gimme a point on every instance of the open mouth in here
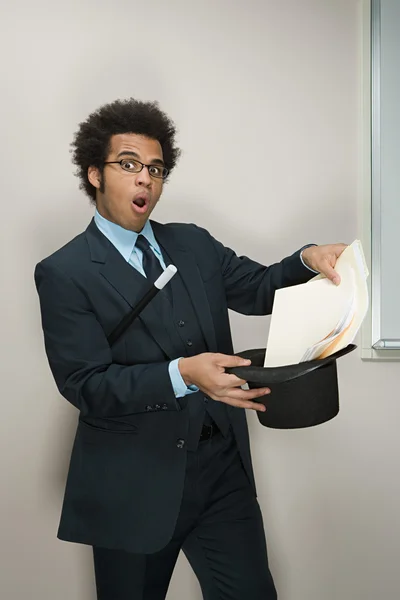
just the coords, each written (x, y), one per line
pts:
(140, 204)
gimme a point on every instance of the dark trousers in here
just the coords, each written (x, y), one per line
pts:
(219, 529)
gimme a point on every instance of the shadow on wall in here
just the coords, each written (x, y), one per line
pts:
(58, 419)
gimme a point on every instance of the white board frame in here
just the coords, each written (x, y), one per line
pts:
(373, 345)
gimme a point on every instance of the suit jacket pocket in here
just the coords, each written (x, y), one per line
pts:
(107, 426)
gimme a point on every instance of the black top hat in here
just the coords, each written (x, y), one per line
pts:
(302, 395)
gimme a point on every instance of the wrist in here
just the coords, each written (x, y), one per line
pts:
(184, 369)
(306, 256)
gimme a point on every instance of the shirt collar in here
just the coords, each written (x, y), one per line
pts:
(123, 239)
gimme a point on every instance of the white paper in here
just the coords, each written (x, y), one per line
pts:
(317, 318)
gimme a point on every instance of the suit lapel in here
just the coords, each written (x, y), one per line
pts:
(188, 270)
(131, 285)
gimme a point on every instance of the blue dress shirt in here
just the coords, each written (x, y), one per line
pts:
(124, 241)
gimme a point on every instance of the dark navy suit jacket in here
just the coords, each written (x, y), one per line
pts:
(127, 467)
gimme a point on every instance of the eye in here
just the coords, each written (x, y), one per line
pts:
(130, 165)
(154, 170)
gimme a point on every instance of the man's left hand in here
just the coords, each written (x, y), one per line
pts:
(323, 259)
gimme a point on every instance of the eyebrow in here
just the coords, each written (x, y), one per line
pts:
(154, 161)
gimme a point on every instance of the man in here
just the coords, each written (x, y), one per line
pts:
(161, 459)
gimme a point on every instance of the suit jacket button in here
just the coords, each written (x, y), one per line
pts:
(149, 408)
(157, 407)
(181, 323)
(164, 407)
(180, 443)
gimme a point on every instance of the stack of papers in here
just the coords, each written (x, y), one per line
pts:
(316, 319)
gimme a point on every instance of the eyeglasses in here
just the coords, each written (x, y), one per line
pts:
(135, 166)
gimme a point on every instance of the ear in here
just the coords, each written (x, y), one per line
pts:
(94, 176)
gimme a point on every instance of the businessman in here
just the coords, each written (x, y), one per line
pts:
(161, 459)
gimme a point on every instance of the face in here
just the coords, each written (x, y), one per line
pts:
(125, 198)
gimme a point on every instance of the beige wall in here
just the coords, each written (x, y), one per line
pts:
(270, 91)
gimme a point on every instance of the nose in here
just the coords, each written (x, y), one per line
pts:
(143, 177)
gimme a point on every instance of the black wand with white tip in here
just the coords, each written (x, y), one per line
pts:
(127, 321)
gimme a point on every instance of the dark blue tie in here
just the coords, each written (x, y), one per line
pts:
(151, 265)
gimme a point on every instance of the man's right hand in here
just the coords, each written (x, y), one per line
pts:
(207, 372)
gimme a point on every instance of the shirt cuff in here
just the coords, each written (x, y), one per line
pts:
(301, 257)
(179, 386)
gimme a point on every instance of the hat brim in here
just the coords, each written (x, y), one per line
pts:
(257, 373)
(302, 395)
